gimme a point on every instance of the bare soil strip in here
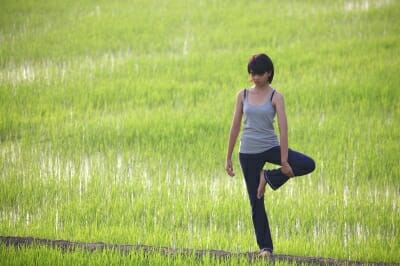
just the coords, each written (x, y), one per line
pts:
(167, 251)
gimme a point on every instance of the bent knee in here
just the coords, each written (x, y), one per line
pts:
(310, 165)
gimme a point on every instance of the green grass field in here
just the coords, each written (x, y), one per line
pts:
(114, 121)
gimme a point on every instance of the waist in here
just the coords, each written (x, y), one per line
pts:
(256, 143)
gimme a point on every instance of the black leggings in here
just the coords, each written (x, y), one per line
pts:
(251, 165)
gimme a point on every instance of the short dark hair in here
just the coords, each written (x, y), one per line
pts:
(259, 64)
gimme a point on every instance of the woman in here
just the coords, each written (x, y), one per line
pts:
(259, 144)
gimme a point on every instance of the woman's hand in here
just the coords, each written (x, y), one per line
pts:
(229, 167)
(287, 169)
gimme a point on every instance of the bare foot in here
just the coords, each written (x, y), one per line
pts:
(261, 185)
(264, 253)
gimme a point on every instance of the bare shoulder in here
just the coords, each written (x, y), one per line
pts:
(278, 97)
(278, 102)
(240, 95)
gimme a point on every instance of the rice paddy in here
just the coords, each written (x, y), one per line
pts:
(114, 121)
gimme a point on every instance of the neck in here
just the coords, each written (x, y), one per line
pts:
(262, 87)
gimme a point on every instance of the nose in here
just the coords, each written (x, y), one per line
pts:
(255, 77)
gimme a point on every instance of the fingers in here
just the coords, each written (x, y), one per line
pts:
(290, 172)
(229, 168)
(287, 170)
(230, 171)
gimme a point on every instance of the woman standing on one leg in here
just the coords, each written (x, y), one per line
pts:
(259, 144)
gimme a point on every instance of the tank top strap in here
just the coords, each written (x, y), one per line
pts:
(272, 95)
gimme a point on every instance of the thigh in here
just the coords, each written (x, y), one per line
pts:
(295, 158)
(301, 163)
(298, 159)
(273, 155)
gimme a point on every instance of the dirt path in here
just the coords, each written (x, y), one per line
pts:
(69, 246)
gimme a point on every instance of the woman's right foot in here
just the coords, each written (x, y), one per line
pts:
(261, 185)
(264, 253)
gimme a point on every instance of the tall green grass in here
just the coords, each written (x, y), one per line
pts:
(45, 256)
(114, 120)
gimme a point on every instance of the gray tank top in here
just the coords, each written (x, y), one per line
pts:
(258, 134)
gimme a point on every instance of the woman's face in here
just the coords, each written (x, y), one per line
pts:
(259, 79)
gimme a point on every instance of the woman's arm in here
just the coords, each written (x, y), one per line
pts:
(234, 132)
(279, 104)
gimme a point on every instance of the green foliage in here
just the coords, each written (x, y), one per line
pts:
(114, 119)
